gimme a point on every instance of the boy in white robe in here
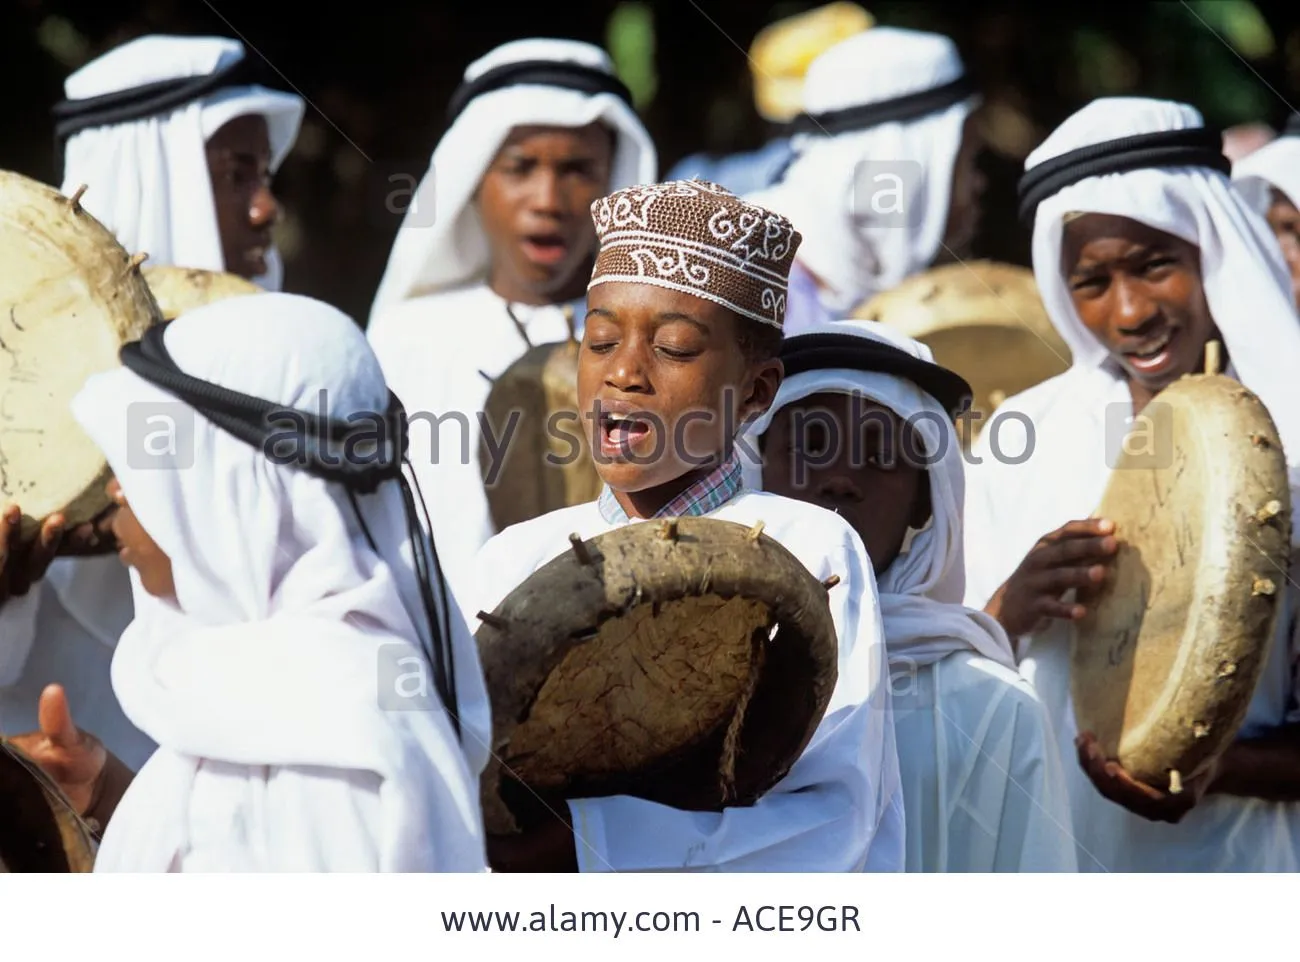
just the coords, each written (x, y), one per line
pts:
(683, 329)
(497, 244)
(175, 145)
(1140, 264)
(884, 180)
(271, 556)
(863, 426)
(1269, 178)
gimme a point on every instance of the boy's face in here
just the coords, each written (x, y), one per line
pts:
(1284, 218)
(663, 383)
(854, 457)
(1139, 291)
(535, 201)
(239, 162)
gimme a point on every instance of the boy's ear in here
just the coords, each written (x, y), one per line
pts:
(764, 383)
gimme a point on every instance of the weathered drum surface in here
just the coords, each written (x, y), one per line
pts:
(181, 289)
(547, 464)
(39, 832)
(1167, 662)
(686, 662)
(70, 297)
(984, 320)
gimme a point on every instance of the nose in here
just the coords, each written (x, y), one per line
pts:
(263, 209)
(839, 487)
(626, 370)
(547, 196)
(1134, 310)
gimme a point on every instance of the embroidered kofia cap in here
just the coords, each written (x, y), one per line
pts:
(696, 237)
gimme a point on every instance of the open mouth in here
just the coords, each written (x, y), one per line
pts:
(545, 248)
(1155, 357)
(623, 432)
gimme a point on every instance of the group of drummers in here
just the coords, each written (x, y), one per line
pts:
(193, 667)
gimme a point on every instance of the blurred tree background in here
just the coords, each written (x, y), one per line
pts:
(378, 76)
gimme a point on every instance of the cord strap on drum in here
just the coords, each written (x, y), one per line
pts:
(1195, 147)
(545, 73)
(373, 450)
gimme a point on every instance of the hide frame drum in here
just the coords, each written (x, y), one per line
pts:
(1165, 664)
(39, 830)
(533, 408)
(685, 661)
(982, 319)
(181, 289)
(70, 297)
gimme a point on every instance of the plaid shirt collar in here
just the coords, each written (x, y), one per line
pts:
(707, 494)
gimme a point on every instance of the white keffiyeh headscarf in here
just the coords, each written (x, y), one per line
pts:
(451, 249)
(284, 614)
(921, 591)
(824, 190)
(148, 180)
(1246, 286)
(1275, 165)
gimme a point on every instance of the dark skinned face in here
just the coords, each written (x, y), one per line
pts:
(139, 551)
(1138, 290)
(239, 160)
(535, 203)
(877, 484)
(1285, 221)
(662, 368)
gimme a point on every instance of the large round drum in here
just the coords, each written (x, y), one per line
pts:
(687, 662)
(547, 463)
(1166, 663)
(39, 831)
(181, 289)
(70, 297)
(984, 320)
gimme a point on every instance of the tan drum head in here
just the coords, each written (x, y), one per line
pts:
(687, 662)
(1166, 664)
(39, 831)
(70, 297)
(547, 463)
(981, 319)
(181, 289)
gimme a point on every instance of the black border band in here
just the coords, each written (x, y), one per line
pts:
(547, 73)
(1196, 147)
(864, 116)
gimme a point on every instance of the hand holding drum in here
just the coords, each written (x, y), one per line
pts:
(1166, 659)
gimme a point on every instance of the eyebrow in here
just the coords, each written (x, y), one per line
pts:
(1138, 253)
(667, 317)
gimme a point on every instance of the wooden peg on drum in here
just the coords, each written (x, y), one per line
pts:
(1165, 664)
(70, 297)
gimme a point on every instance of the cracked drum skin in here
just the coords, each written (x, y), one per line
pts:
(39, 832)
(1166, 663)
(70, 297)
(687, 662)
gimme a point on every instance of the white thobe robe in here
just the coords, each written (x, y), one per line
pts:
(1009, 507)
(440, 354)
(839, 809)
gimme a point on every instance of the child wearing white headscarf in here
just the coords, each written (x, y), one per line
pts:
(147, 178)
(1269, 179)
(1013, 501)
(441, 332)
(872, 183)
(262, 679)
(982, 783)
